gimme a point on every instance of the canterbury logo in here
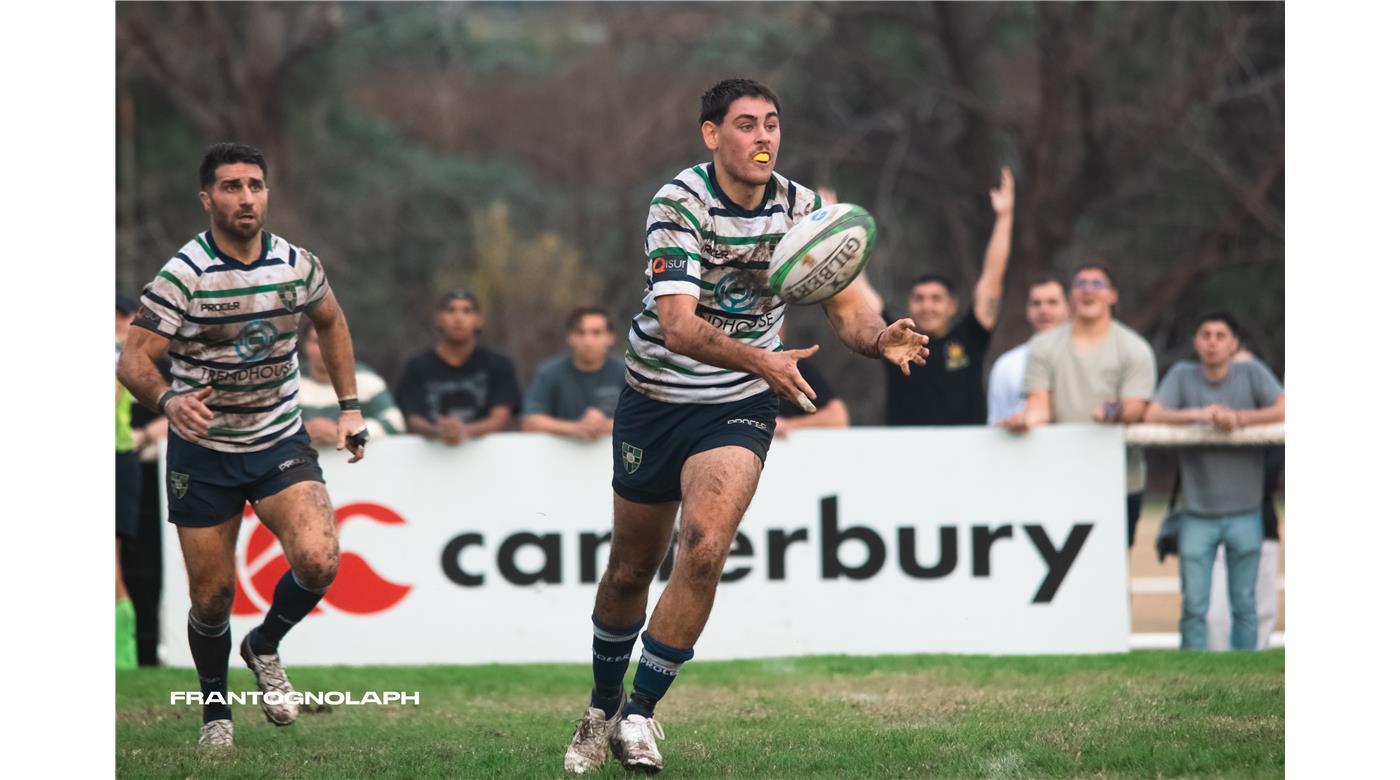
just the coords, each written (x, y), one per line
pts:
(358, 589)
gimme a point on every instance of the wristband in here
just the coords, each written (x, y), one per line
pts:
(165, 399)
(349, 404)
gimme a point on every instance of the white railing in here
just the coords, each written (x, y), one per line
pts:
(1159, 435)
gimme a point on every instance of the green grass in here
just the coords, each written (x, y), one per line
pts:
(1143, 714)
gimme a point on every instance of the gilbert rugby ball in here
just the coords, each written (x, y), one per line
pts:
(822, 254)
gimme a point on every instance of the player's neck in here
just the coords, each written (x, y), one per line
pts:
(1091, 330)
(455, 353)
(748, 196)
(246, 251)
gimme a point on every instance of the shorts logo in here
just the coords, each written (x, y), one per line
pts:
(179, 484)
(746, 421)
(631, 458)
(292, 463)
(287, 294)
(256, 340)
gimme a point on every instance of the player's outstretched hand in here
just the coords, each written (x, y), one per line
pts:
(780, 371)
(901, 345)
(351, 434)
(188, 415)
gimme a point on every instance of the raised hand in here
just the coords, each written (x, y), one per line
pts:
(1004, 196)
(901, 345)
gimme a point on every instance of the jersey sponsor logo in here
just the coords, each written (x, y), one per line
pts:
(256, 340)
(737, 291)
(631, 458)
(730, 325)
(358, 589)
(287, 294)
(223, 306)
(747, 421)
(243, 376)
(954, 356)
(179, 484)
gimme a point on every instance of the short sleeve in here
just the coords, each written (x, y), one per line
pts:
(1264, 384)
(1003, 394)
(504, 390)
(166, 299)
(1140, 373)
(539, 397)
(1038, 372)
(673, 245)
(1169, 394)
(410, 392)
(316, 284)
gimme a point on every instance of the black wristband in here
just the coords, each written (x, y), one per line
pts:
(349, 404)
(165, 399)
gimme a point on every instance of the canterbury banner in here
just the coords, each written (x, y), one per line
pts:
(863, 541)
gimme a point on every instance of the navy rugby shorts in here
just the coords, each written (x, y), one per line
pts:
(205, 487)
(653, 439)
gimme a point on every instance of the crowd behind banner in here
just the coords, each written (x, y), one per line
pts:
(1082, 364)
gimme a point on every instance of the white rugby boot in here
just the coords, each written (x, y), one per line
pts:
(634, 743)
(216, 734)
(588, 750)
(268, 671)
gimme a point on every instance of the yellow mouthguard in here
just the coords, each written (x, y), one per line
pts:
(762, 157)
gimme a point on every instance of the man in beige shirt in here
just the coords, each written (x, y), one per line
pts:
(1094, 368)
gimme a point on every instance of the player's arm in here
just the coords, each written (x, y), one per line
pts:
(688, 335)
(986, 299)
(339, 353)
(860, 327)
(137, 370)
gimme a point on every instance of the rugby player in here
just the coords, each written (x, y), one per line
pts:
(705, 367)
(226, 307)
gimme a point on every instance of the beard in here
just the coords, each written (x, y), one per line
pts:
(233, 227)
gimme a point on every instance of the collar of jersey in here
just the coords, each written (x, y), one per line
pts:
(735, 207)
(235, 262)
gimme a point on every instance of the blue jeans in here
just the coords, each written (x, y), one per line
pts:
(1243, 536)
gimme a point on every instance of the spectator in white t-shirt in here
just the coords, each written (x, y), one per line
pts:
(1046, 307)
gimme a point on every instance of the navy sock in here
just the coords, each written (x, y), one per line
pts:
(210, 646)
(656, 670)
(612, 654)
(291, 601)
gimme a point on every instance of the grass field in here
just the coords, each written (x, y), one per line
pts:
(1144, 714)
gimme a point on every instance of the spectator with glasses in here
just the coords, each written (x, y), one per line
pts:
(1093, 368)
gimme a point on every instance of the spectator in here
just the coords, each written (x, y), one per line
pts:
(1045, 308)
(458, 390)
(831, 410)
(1221, 486)
(1094, 368)
(575, 392)
(948, 390)
(128, 494)
(320, 406)
(1266, 586)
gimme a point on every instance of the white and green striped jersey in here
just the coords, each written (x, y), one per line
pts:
(233, 326)
(700, 243)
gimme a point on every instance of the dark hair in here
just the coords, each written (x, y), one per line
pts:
(1040, 279)
(225, 153)
(714, 104)
(938, 279)
(576, 317)
(1221, 316)
(1096, 265)
(458, 294)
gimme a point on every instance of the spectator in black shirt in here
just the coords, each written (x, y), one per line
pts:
(831, 410)
(948, 390)
(458, 390)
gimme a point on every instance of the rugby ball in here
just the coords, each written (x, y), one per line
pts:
(821, 254)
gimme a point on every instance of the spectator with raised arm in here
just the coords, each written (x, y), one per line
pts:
(1220, 486)
(575, 393)
(1092, 369)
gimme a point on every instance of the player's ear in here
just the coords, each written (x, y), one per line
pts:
(710, 132)
(204, 200)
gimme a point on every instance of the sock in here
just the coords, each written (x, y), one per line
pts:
(656, 670)
(291, 601)
(210, 646)
(126, 634)
(612, 654)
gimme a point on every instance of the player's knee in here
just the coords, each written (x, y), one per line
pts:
(212, 603)
(628, 578)
(318, 570)
(703, 554)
